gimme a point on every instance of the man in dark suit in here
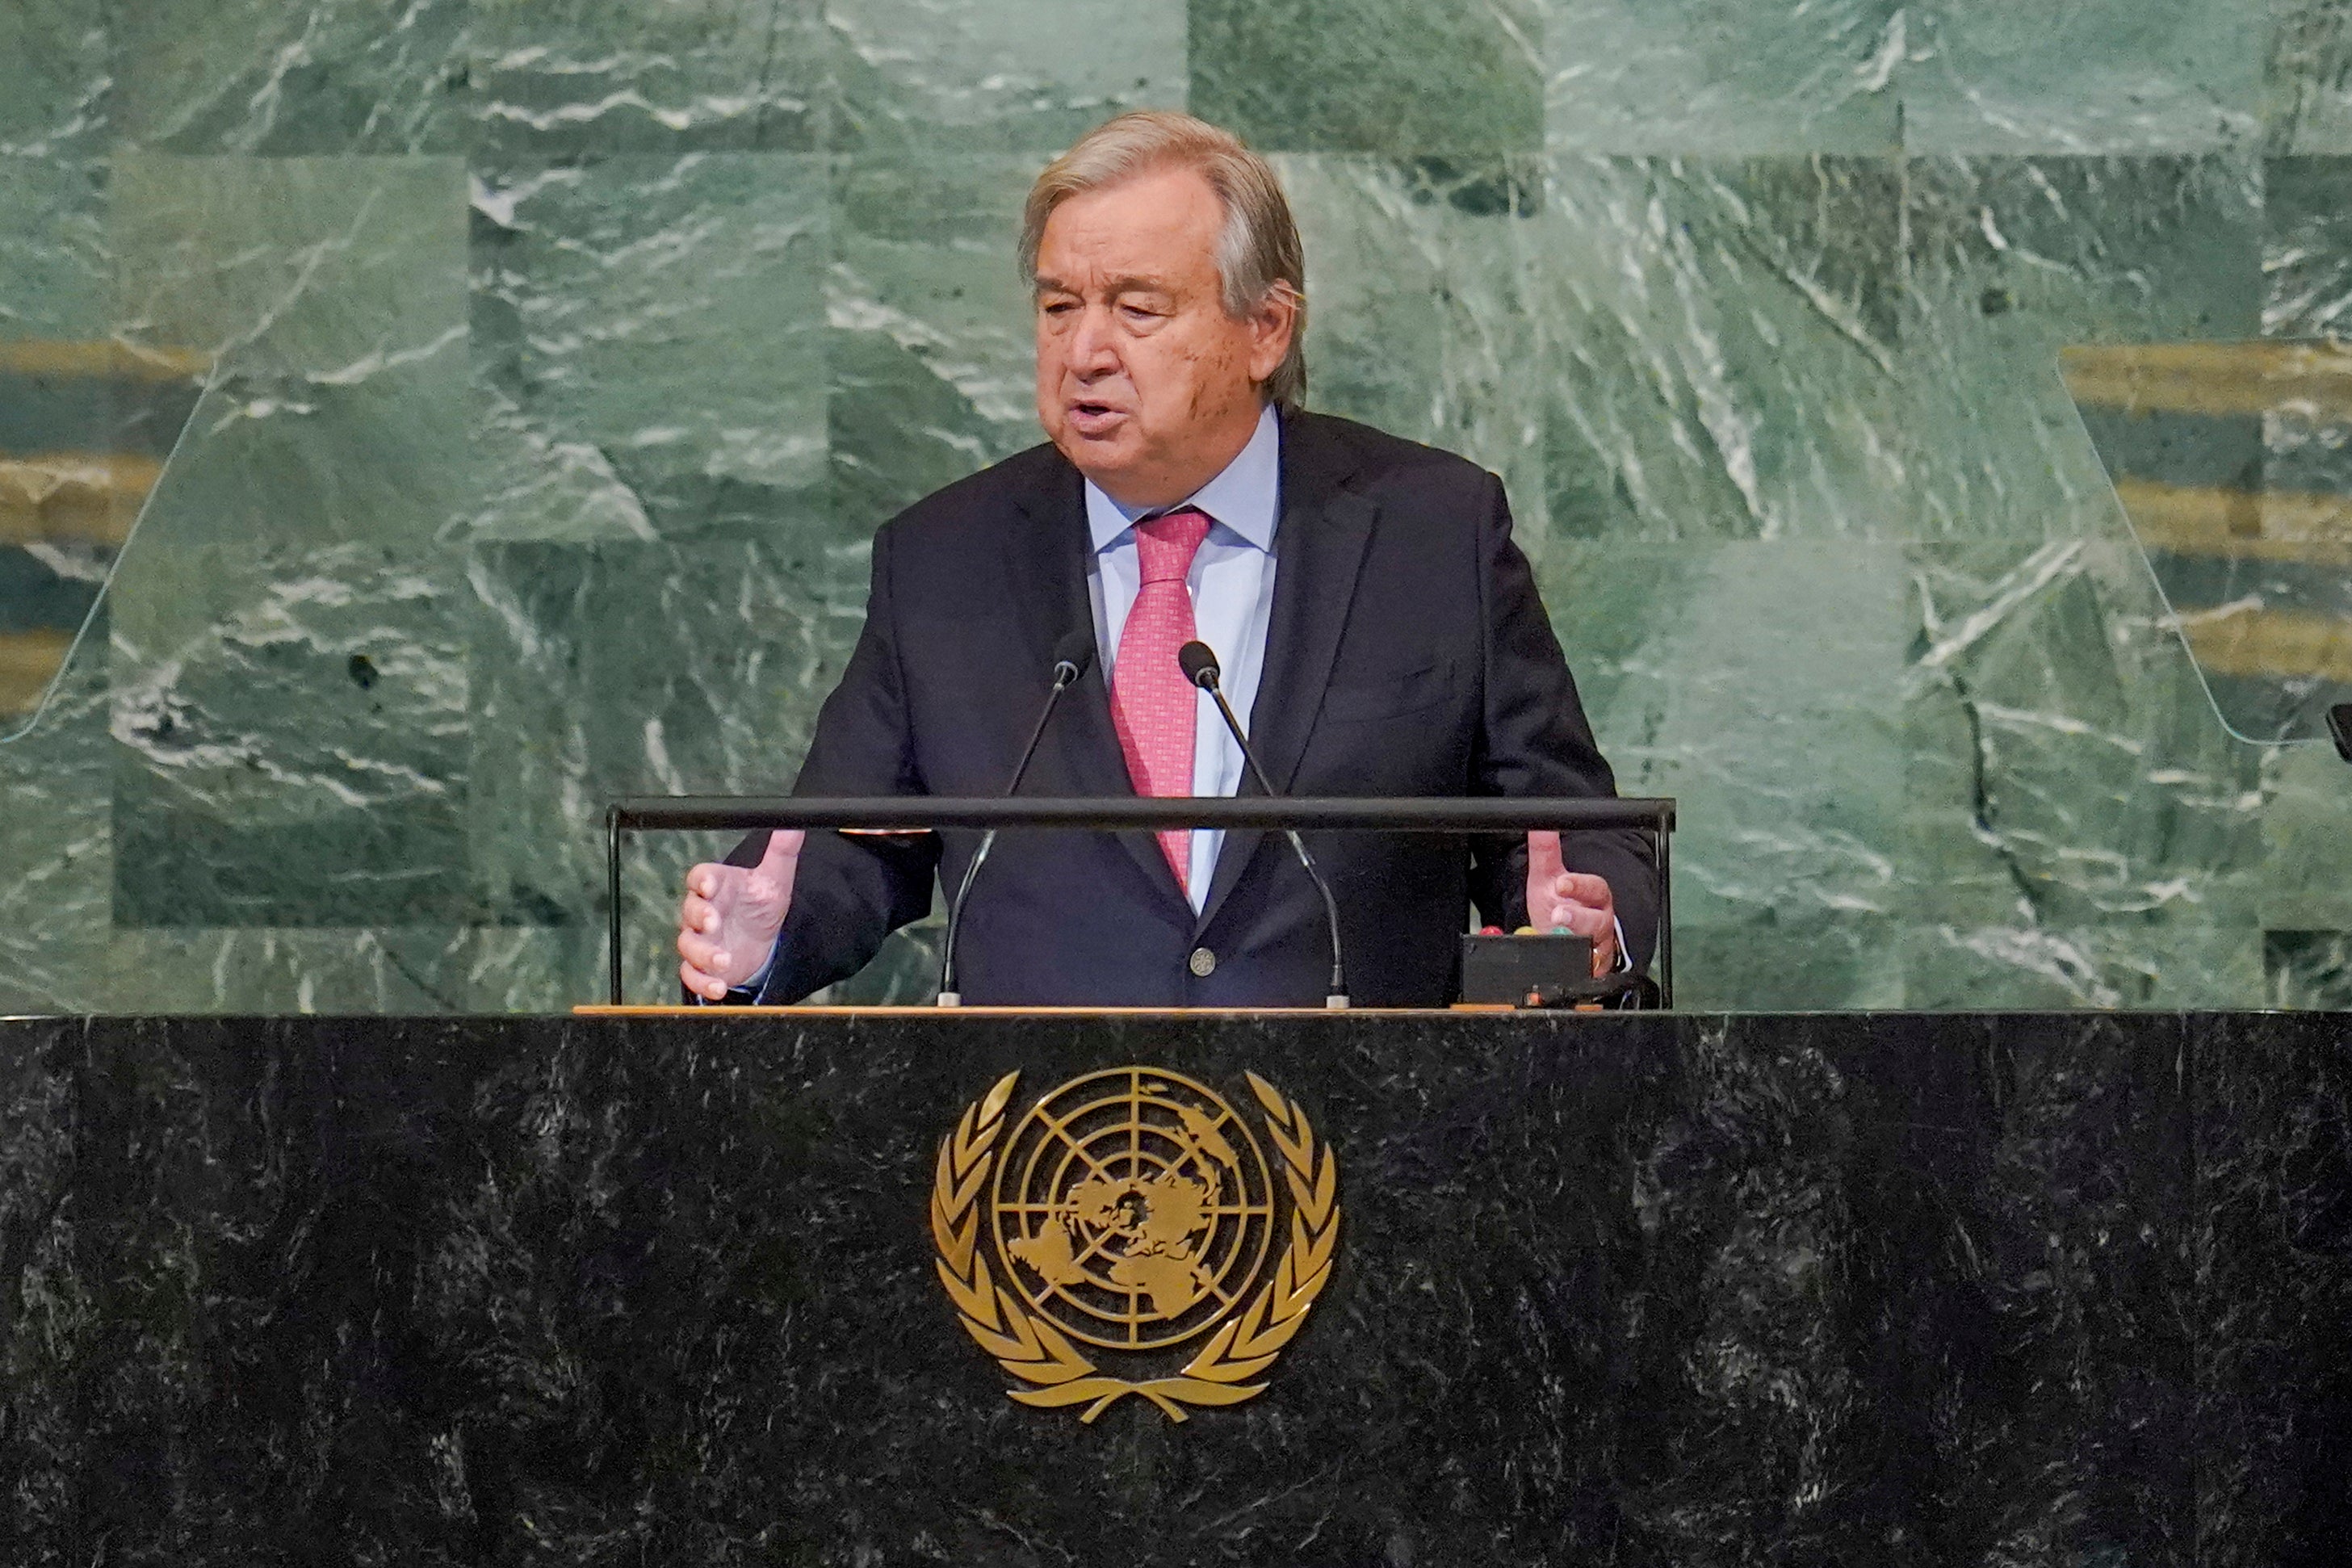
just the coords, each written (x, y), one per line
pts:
(1381, 635)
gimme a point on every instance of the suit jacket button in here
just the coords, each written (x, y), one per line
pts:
(1203, 962)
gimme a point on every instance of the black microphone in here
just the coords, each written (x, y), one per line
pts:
(1199, 663)
(1073, 656)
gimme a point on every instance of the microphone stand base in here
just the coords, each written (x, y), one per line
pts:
(1337, 1002)
(950, 999)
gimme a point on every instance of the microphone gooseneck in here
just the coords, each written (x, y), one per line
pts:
(1198, 660)
(1073, 656)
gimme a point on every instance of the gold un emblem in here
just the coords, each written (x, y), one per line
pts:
(1130, 1212)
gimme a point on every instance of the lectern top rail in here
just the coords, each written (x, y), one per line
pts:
(1118, 813)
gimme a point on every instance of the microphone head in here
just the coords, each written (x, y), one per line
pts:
(1199, 663)
(1073, 657)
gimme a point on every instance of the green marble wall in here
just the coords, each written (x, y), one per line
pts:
(569, 354)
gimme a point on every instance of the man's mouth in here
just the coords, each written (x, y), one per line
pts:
(1092, 416)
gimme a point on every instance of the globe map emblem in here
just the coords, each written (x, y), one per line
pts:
(1133, 1208)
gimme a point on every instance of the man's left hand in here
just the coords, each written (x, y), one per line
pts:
(1583, 903)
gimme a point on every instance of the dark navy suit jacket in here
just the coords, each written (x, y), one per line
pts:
(1407, 654)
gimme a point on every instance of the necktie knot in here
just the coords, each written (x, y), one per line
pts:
(1165, 545)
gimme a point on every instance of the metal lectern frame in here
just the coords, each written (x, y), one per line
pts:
(922, 814)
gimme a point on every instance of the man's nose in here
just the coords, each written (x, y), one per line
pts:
(1093, 350)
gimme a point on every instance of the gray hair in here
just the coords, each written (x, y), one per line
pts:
(1258, 251)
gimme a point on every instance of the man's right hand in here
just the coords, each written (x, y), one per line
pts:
(727, 924)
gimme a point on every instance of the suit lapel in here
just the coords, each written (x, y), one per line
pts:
(1051, 576)
(1318, 548)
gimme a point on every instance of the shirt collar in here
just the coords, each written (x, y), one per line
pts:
(1243, 498)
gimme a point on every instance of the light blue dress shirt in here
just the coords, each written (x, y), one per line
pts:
(1232, 583)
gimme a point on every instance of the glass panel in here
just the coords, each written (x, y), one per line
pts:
(2233, 462)
(86, 429)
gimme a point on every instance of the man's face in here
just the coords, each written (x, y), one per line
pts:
(1143, 381)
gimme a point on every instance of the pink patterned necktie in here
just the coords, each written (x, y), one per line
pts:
(1151, 703)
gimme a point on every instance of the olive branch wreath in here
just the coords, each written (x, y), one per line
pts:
(1033, 1350)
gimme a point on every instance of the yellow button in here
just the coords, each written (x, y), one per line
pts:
(1203, 962)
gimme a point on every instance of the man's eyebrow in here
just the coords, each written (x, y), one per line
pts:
(1116, 286)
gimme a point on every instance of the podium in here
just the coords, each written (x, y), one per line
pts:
(1642, 1288)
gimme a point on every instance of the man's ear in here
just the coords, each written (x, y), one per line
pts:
(1272, 326)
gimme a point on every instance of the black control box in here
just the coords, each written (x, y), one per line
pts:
(1551, 970)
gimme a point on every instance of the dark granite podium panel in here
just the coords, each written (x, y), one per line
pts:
(1845, 1288)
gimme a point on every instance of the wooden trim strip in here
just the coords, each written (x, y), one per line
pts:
(111, 357)
(90, 496)
(2259, 525)
(2271, 643)
(29, 660)
(2212, 378)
